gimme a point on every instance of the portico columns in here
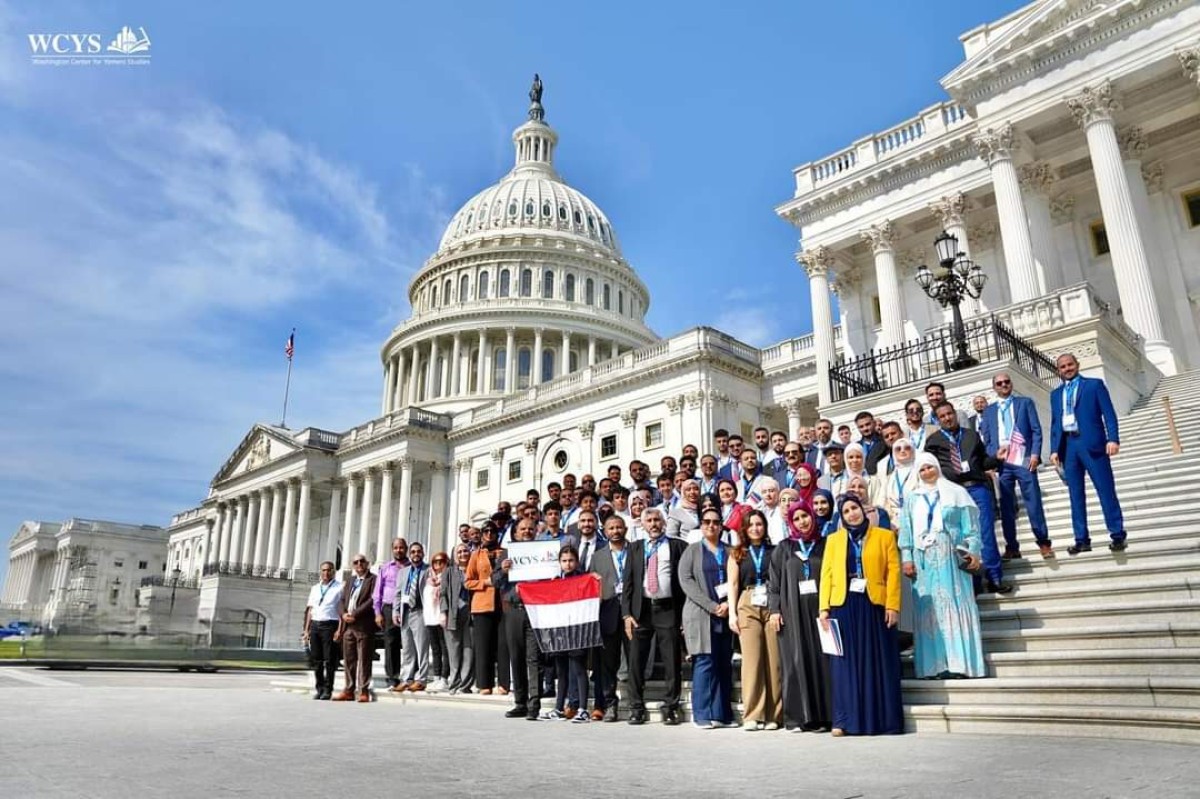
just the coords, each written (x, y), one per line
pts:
(414, 376)
(437, 509)
(335, 521)
(591, 358)
(301, 550)
(481, 386)
(997, 148)
(816, 264)
(1037, 180)
(239, 521)
(537, 356)
(891, 317)
(247, 555)
(273, 535)
(210, 541)
(455, 370)
(510, 361)
(431, 372)
(385, 514)
(364, 524)
(289, 525)
(401, 366)
(565, 366)
(389, 375)
(615, 349)
(1093, 108)
(405, 464)
(258, 556)
(348, 539)
(793, 407)
(224, 532)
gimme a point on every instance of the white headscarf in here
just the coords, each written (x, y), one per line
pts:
(861, 451)
(950, 493)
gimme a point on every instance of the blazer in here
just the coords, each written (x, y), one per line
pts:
(1025, 419)
(363, 609)
(974, 457)
(599, 544)
(876, 454)
(727, 472)
(402, 578)
(632, 601)
(454, 581)
(610, 600)
(479, 581)
(698, 610)
(881, 568)
(681, 521)
(1094, 413)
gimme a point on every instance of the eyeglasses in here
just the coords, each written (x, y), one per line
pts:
(1002, 383)
(791, 453)
(360, 561)
(710, 521)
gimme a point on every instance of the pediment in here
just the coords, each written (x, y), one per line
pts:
(1032, 30)
(261, 446)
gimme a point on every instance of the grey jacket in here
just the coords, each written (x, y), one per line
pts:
(698, 610)
(452, 583)
(681, 521)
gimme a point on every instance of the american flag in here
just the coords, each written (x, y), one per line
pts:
(1016, 448)
(289, 349)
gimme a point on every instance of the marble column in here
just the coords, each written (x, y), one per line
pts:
(276, 527)
(385, 515)
(302, 519)
(289, 526)
(1037, 183)
(235, 539)
(414, 376)
(247, 556)
(793, 408)
(537, 356)
(565, 367)
(405, 463)
(348, 537)
(481, 375)
(886, 283)
(368, 507)
(335, 522)
(997, 148)
(951, 213)
(591, 355)
(614, 350)
(437, 509)
(389, 375)
(432, 372)
(224, 532)
(510, 361)
(258, 557)
(1093, 109)
(455, 367)
(816, 264)
(398, 400)
(210, 541)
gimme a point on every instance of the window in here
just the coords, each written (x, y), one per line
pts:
(529, 208)
(561, 459)
(569, 288)
(526, 282)
(514, 471)
(608, 446)
(118, 564)
(483, 285)
(114, 595)
(473, 374)
(253, 629)
(546, 211)
(463, 289)
(482, 479)
(607, 295)
(548, 285)
(433, 297)
(499, 364)
(652, 435)
(573, 362)
(142, 564)
(1099, 237)
(621, 302)
(562, 213)
(589, 292)
(512, 208)
(503, 292)
(547, 364)
(1191, 207)
(524, 367)
(578, 218)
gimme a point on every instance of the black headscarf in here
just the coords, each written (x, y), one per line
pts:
(857, 531)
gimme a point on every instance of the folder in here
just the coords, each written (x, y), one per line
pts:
(831, 639)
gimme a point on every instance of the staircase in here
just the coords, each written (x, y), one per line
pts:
(1101, 644)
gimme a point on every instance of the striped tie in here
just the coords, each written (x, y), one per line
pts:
(956, 459)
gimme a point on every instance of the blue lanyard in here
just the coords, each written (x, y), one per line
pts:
(324, 591)
(958, 443)
(757, 557)
(932, 506)
(1006, 414)
(899, 486)
(858, 550)
(413, 574)
(805, 552)
(719, 555)
(358, 581)
(919, 439)
(654, 545)
(620, 557)
(1069, 395)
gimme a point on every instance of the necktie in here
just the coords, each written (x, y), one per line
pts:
(583, 559)
(956, 456)
(652, 574)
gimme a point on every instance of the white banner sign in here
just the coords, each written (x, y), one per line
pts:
(533, 560)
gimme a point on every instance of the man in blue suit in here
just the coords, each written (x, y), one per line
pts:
(1012, 433)
(1083, 437)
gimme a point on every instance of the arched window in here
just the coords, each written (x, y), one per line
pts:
(620, 302)
(463, 289)
(573, 362)
(503, 292)
(607, 297)
(589, 292)
(526, 282)
(548, 285)
(546, 211)
(529, 208)
(569, 288)
(447, 287)
(524, 367)
(483, 285)
(499, 364)
(548, 364)
(433, 297)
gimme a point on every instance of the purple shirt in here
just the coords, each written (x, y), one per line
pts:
(385, 586)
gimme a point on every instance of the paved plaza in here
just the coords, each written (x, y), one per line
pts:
(122, 734)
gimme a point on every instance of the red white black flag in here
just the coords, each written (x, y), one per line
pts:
(565, 614)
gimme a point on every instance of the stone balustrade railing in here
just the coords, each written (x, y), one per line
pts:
(800, 348)
(404, 417)
(523, 304)
(929, 124)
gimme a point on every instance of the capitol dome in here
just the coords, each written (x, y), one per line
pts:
(528, 284)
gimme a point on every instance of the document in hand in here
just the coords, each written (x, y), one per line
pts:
(831, 639)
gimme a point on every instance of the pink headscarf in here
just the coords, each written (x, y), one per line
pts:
(814, 530)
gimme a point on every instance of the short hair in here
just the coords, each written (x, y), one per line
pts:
(580, 514)
(863, 415)
(768, 482)
(842, 427)
(737, 437)
(580, 496)
(620, 491)
(328, 563)
(553, 485)
(569, 549)
(896, 425)
(668, 477)
(1070, 355)
(652, 511)
(826, 421)
(552, 505)
(778, 433)
(935, 384)
(764, 429)
(721, 432)
(943, 404)
(914, 401)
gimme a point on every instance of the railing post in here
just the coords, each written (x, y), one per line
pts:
(1176, 444)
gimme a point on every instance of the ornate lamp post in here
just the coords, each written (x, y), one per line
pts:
(958, 277)
(174, 585)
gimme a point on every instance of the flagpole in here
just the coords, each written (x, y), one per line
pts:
(287, 386)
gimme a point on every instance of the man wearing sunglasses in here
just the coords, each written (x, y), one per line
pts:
(357, 632)
(1012, 433)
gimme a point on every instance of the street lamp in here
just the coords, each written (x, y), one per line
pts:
(958, 277)
(174, 585)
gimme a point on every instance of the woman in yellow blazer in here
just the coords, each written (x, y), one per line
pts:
(860, 595)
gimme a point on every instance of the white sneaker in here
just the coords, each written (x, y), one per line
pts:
(551, 715)
(748, 726)
(771, 727)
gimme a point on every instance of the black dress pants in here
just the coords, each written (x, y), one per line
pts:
(658, 621)
(485, 631)
(526, 661)
(392, 637)
(324, 653)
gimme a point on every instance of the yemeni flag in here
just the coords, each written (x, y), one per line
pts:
(564, 613)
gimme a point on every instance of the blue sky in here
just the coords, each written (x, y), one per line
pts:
(162, 228)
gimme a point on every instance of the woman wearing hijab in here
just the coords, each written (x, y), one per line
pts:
(902, 479)
(824, 512)
(749, 573)
(806, 481)
(684, 519)
(939, 530)
(706, 624)
(856, 461)
(877, 516)
(787, 496)
(794, 602)
(860, 593)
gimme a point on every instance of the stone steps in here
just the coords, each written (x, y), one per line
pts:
(1144, 692)
(1124, 634)
(1183, 611)
(1158, 662)
(1146, 550)
(1171, 725)
(1182, 586)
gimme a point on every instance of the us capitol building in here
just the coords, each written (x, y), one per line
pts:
(1066, 162)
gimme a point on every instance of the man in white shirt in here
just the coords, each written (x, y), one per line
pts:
(724, 456)
(320, 625)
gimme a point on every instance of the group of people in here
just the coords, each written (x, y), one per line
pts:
(800, 555)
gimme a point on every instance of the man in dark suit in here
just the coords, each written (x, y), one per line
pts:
(610, 564)
(652, 607)
(1012, 434)
(357, 632)
(881, 453)
(815, 456)
(964, 459)
(1083, 438)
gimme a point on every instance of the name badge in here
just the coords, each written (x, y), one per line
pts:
(1069, 422)
(858, 585)
(406, 600)
(808, 587)
(722, 591)
(758, 596)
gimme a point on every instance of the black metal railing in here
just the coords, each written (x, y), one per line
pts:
(987, 339)
(258, 571)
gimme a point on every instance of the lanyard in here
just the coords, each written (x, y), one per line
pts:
(413, 574)
(358, 581)
(654, 545)
(757, 557)
(746, 484)
(932, 506)
(805, 552)
(858, 550)
(918, 439)
(1006, 416)
(720, 558)
(899, 486)
(958, 443)
(325, 590)
(619, 557)
(1069, 395)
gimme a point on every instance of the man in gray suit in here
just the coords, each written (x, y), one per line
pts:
(456, 607)
(610, 564)
(414, 652)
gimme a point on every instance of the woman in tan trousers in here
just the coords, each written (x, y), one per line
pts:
(749, 570)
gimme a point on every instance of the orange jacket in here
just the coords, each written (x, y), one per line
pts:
(479, 581)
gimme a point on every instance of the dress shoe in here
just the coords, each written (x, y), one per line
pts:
(344, 696)
(837, 732)
(569, 713)
(364, 697)
(416, 687)
(319, 695)
(1117, 546)
(610, 713)
(671, 719)
(515, 713)
(1076, 548)
(399, 688)
(997, 588)
(597, 715)
(1011, 554)
(1046, 550)
(637, 717)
